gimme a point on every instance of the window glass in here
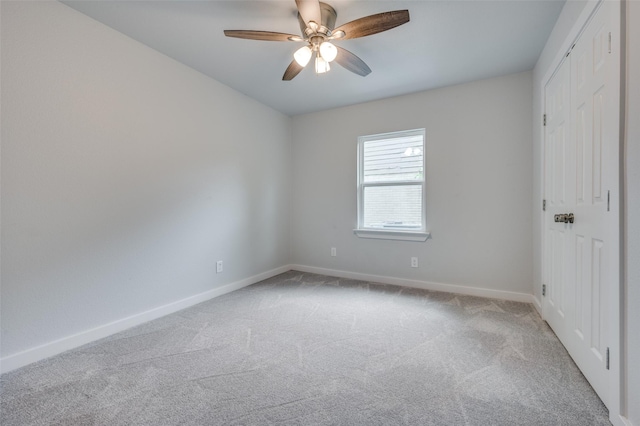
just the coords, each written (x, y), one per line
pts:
(393, 207)
(391, 160)
(391, 179)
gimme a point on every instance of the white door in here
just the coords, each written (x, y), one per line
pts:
(581, 176)
(559, 161)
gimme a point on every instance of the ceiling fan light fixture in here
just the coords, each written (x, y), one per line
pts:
(322, 66)
(317, 25)
(328, 51)
(303, 56)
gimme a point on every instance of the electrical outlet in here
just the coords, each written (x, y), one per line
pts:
(333, 252)
(414, 262)
(218, 266)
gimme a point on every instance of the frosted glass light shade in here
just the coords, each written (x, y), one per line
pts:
(322, 66)
(328, 51)
(302, 56)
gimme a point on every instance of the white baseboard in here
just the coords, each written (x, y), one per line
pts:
(47, 350)
(425, 285)
(537, 304)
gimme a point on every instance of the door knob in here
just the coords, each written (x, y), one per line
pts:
(564, 217)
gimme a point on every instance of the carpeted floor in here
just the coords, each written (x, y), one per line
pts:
(305, 349)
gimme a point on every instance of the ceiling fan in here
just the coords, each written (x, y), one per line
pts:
(317, 22)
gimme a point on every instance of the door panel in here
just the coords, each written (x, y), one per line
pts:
(596, 301)
(583, 157)
(580, 317)
(598, 103)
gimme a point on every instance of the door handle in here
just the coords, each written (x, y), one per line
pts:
(564, 217)
(560, 218)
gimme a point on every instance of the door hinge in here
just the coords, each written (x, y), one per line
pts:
(608, 200)
(607, 358)
(544, 205)
(569, 51)
(609, 42)
(544, 119)
(544, 289)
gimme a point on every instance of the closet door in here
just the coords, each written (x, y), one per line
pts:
(560, 200)
(581, 229)
(592, 94)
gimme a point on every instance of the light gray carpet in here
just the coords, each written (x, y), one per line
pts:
(304, 349)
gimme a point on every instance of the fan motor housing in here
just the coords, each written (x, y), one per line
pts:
(328, 16)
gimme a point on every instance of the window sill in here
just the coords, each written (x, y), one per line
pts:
(392, 235)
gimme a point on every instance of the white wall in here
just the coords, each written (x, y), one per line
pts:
(125, 176)
(632, 211)
(478, 148)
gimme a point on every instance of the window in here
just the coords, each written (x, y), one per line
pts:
(391, 189)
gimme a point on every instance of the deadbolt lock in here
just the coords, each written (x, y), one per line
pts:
(565, 218)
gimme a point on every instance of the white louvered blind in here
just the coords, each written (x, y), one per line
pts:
(391, 181)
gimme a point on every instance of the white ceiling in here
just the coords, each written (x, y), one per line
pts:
(445, 43)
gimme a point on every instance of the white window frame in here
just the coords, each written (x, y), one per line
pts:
(390, 234)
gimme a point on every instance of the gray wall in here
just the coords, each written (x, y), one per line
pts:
(125, 176)
(632, 211)
(478, 174)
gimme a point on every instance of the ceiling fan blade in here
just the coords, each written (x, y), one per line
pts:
(292, 70)
(373, 24)
(352, 62)
(261, 35)
(309, 10)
